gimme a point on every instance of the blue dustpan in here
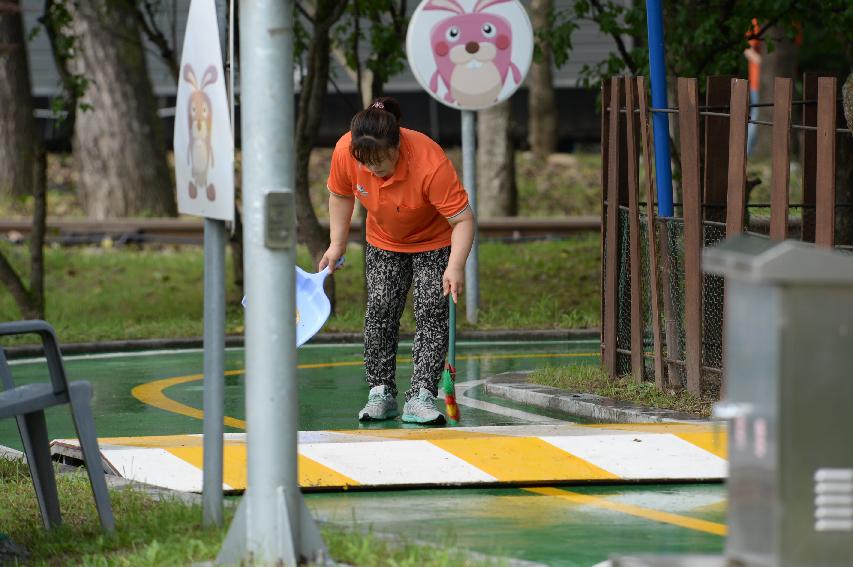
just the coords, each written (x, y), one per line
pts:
(312, 305)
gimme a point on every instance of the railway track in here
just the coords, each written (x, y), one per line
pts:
(191, 231)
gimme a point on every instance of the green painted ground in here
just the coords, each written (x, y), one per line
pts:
(332, 388)
(519, 524)
(552, 529)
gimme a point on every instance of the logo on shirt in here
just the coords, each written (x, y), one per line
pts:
(360, 189)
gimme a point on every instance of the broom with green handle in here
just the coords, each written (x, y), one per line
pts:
(448, 377)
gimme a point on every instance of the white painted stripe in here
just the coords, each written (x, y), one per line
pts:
(463, 400)
(155, 466)
(394, 463)
(644, 456)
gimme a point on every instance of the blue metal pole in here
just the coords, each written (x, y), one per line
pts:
(660, 121)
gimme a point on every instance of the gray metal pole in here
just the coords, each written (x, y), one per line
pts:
(273, 512)
(214, 352)
(469, 180)
(214, 369)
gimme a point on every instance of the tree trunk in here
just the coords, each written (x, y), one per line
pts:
(496, 189)
(119, 148)
(308, 123)
(19, 139)
(542, 135)
(781, 62)
(22, 157)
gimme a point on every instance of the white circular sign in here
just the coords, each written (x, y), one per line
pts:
(470, 54)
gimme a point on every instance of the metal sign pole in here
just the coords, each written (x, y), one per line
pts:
(469, 180)
(214, 354)
(214, 370)
(272, 524)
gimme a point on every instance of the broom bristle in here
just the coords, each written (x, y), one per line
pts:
(448, 385)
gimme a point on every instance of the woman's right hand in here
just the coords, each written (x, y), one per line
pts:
(331, 257)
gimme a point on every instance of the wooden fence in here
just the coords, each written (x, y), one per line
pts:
(661, 316)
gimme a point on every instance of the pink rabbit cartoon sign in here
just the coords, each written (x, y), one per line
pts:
(203, 141)
(470, 54)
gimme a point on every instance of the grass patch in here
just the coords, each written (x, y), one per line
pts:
(148, 532)
(593, 380)
(125, 293)
(564, 185)
(367, 549)
(166, 532)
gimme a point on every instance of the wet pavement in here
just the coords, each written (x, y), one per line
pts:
(160, 394)
(129, 387)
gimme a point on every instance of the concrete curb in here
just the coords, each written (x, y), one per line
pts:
(27, 351)
(515, 387)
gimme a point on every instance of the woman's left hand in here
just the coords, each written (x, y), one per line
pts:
(453, 281)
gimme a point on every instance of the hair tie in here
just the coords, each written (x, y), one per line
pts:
(379, 105)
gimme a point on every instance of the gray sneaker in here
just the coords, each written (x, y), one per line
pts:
(380, 405)
(421, 409)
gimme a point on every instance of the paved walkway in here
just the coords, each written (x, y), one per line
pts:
(159, 394)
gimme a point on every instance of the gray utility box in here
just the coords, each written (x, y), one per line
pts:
(789, 398)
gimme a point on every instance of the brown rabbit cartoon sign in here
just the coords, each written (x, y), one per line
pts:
(470, 54)
(203, 143)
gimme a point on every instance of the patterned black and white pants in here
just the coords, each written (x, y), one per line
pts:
(389, 277)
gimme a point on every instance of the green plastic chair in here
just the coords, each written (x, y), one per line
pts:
(26, 403)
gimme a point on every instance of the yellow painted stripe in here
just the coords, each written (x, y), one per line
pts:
(315, 475)
(522, 459)
(152, 393)
(638, 511)
(715, 442)
(154, 441)
(311, 473)
(234, 462)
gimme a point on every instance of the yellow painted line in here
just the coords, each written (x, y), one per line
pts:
(158, 441)
(638, 511)
(523, 459)
(152, 393)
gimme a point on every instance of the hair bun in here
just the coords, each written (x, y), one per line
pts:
(388, 104)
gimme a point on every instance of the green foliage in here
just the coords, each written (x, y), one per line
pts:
(382, 24)
(594, 380)
(104, 293)
(706, 37)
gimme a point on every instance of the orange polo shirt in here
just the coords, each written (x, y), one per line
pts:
(408, 211)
